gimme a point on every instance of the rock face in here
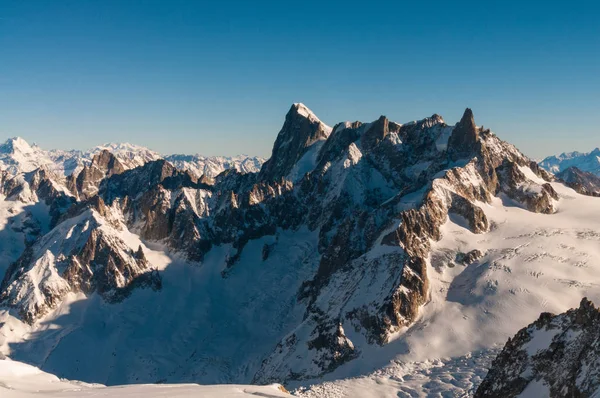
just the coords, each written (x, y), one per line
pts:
(84, 254)
(301, 130)
(535, 197)
(464, 137)
(85, 184)
(375, 194)
(557, 356)
(581, 181)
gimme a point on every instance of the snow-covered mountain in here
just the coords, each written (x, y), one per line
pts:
(370, 256)
(17, 156)
(211, 166)
(589, 162)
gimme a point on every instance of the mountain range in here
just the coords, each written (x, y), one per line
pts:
(17, 156)
(588, 162)
(392, 259)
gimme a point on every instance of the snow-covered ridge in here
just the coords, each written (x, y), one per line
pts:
(586, 161)
(19, 380)
(17, 156)
(212, 166)
(307, 113)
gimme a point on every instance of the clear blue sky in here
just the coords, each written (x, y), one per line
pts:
(218, 77)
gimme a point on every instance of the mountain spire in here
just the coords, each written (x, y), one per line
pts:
(301, 129)
(464, 136)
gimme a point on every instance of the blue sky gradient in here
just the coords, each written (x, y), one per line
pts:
(218, 77)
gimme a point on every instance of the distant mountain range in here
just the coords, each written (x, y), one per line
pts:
(578, 170)
(17, 156)
(584, 161)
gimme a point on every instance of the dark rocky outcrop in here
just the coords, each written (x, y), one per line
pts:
(581, 181)
(86, 183)
(561, 352)
(470, 257)
(92, 260)
(464, 138)
(300, 130)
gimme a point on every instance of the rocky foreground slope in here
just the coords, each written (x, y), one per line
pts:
(556, 356)
(281, 275)
(582, 181)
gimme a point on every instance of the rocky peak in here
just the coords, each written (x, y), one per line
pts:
(81, 254)
(136, 181)
(464, 137)
(108, 163)
(104, 164)
(376, 132)
(300, 131)
(437, 118)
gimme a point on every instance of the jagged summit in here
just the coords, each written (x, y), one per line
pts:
(581, 181)
(302, 110)
(301, 130)
(464, 137)
(18, 156)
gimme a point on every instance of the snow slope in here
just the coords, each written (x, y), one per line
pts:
(19, 380)
(211, 330)
(533, 263)
(17, 156)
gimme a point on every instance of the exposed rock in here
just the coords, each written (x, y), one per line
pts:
(560, 352)
(535, 197)
(376, 132)
(464, 137)
(300, 130)
(470, 257)
(86, 183)
(581, 181)
(78, 255)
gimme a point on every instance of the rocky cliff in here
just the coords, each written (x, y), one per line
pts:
(556, 356)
